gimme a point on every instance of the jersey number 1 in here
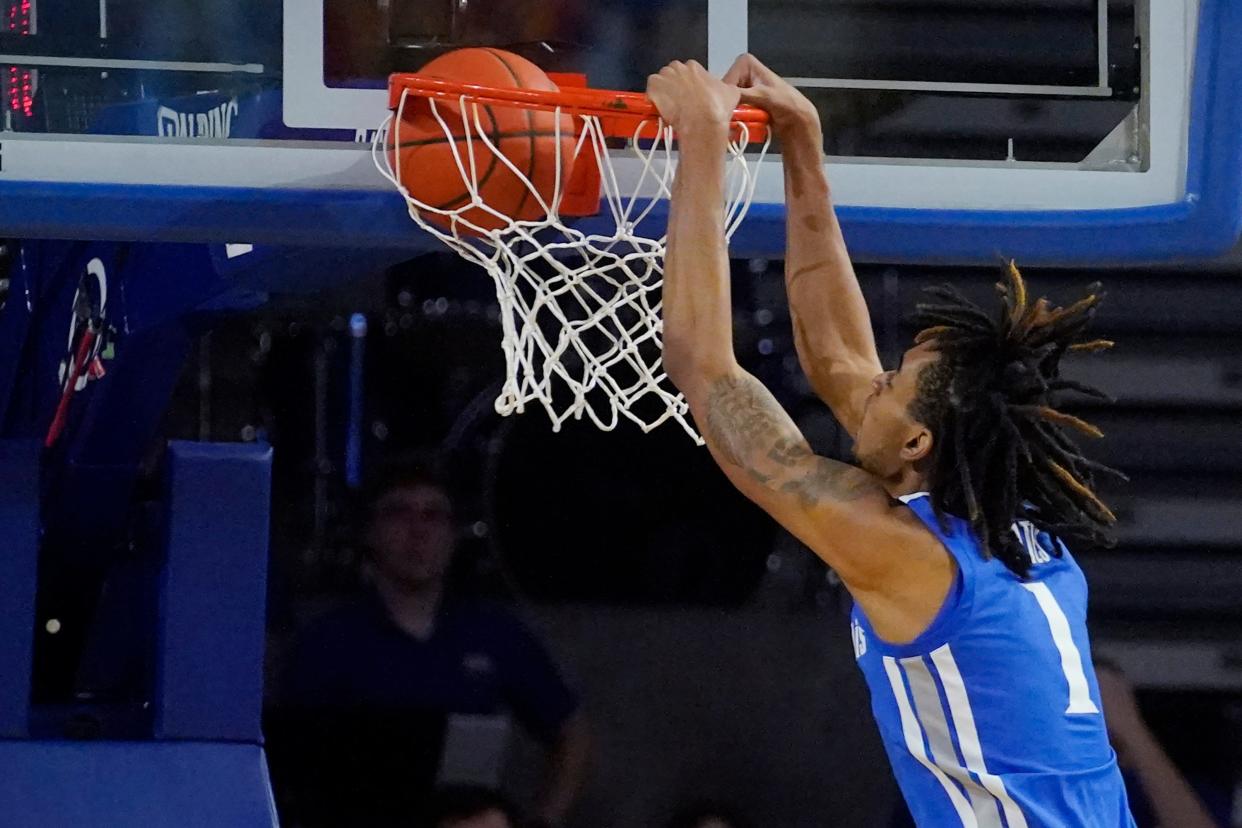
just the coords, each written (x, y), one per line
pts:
(1071, 660)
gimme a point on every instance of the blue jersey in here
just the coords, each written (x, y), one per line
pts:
(991, 718)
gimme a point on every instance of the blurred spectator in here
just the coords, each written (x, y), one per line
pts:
(1159, 794)
(707, 815)
(376, 692)
(470, 807)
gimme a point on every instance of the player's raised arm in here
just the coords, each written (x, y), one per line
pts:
(832, 328)
(838, 510)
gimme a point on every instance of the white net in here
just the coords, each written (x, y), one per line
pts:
(579, 308)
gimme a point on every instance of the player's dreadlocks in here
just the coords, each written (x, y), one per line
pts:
(1002, 450)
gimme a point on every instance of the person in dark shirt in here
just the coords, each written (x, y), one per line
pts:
(380, 676)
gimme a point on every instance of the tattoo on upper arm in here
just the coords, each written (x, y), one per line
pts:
(740, 422)
(750, 430)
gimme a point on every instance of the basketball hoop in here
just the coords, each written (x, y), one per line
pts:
(579, 309)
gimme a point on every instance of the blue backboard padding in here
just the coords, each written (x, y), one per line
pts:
(134, 784)
(210, 635)
(1207, 222)
(19, 554)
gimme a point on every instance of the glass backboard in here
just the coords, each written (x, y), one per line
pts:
(1054, 130)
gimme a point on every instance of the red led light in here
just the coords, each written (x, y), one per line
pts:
(20, 82)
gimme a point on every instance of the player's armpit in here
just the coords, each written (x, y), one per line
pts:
(840, 511)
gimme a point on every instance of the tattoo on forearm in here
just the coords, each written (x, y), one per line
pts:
(748, 427)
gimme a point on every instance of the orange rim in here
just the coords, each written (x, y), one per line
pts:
(602, 103)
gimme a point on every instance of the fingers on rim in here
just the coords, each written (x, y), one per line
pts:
(746, 69)
(757, 67)
(740, 65)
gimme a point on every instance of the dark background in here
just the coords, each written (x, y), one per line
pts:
(708, 642)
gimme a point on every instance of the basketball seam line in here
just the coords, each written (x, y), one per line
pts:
(453, 203)
(530, 155)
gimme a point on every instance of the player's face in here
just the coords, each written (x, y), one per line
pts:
(888, 437)
(412, 535)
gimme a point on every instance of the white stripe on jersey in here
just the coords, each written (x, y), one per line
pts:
(968, 736)
(1071, 660)
(914, 743)
(932, 717)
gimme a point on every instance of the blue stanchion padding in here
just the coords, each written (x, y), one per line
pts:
(19, 552)
(210, 631)
(134, 785)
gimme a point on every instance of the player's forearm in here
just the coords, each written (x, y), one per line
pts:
(1173, 800)
(698, 325)
(832, 327)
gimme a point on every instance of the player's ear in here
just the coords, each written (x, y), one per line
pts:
(918, 444)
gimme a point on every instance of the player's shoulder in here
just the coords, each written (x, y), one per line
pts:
(914, 520)
(883, 546)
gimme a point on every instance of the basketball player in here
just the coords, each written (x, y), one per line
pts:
(969, 612)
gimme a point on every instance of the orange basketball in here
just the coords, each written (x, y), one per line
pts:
(428, 168)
